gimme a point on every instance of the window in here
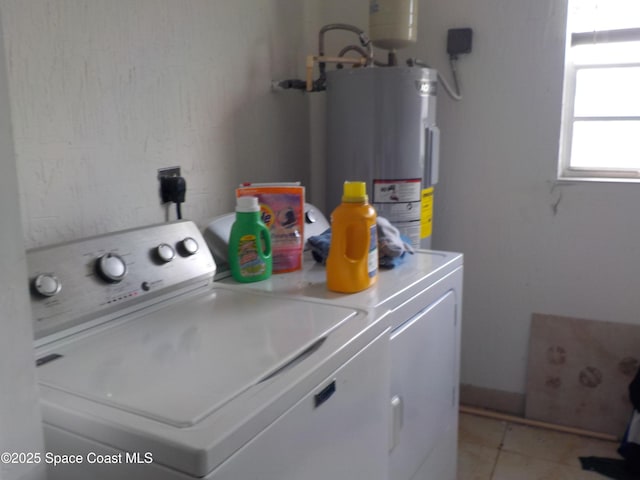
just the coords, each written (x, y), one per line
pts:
(601, 111)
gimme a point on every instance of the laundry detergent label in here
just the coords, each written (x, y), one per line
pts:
(372, 263)
(249, 260)
(282, 211)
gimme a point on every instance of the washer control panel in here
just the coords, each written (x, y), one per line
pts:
(108, 275)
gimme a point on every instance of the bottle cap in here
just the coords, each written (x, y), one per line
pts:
(355, 192)
(247, 204)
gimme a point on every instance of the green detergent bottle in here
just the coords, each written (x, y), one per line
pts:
(249, 243)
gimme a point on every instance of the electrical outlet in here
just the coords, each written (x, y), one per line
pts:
(168, 172)
(166, 185)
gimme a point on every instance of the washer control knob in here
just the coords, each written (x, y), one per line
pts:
(190, 245)
(165, 252)
(111, 267)
(47, 284)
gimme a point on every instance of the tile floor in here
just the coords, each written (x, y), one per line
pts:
(496, 450)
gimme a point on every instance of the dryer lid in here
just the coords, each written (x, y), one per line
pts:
(179, 364)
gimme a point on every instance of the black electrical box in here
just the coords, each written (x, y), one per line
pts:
(459, 41)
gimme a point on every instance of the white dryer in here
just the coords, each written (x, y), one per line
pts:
(421, 301)
(148, 370)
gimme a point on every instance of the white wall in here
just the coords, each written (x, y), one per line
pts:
(530, 245)
(20, 429)
(104, 93)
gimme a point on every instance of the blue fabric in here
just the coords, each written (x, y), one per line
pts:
(392, 247)
(320, 246)
(386, 261)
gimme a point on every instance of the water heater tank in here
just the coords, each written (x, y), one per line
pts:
(381, 130)
(393, 24)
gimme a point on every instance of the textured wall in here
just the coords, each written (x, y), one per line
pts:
(104, 93)
(20, 429)
(530, 243)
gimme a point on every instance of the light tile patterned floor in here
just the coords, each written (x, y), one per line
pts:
(496, 450)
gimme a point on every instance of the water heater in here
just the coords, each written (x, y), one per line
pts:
(381, 129)
(393, 24)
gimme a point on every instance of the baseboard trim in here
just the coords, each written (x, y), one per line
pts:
(491, 399)
(534, 423)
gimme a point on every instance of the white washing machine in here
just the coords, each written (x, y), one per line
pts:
(421, 302)
(149, 370)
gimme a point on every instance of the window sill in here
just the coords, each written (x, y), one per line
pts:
(596, 179)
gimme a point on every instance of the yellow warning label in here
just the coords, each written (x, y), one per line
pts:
(426, 213)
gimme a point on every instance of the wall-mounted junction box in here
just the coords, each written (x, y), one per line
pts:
(459, 41)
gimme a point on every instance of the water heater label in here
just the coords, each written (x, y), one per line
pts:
(426, 216)
(398, 200)
(397, 191)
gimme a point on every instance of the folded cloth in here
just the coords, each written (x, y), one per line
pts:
(391, 245)
(319, 245)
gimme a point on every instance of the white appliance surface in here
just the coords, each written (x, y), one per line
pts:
(336, 430)
(193, 382)
(421, 301)
(215, 346)
(393, 287)
(423, 412)
(196, 372)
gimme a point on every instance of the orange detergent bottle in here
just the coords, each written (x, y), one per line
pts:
(352, 264)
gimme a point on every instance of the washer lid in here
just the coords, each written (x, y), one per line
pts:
(181, 363)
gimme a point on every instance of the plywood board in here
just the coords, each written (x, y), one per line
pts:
(579, 372)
